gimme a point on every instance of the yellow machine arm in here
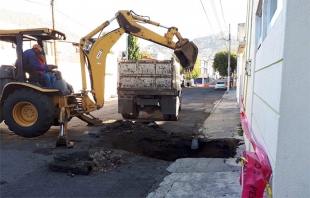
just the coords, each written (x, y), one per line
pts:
(94, 51)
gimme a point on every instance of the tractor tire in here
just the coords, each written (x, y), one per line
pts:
(28, 113)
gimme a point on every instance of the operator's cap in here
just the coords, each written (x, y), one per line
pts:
(36, 46)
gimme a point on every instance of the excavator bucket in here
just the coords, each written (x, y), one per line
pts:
(187, 54)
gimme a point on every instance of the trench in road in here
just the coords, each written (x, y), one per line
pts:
(139, 138)
(167, 146)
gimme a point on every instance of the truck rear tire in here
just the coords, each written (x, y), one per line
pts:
(133, 115)
(28, 113)
(174, 117)
(125, 115)
(180, 106)
(166, 117)
(170, 117)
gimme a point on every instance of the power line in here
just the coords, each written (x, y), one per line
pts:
(215, 14)
(74, 20)
(60, 13)
(207, 16)
(37, 2)
(223, 15)
(218, 21)
(211, 25)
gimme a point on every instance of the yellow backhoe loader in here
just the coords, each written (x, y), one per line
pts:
(30, 110)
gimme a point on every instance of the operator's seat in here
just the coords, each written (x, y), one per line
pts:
(7, 75)
(26, 75)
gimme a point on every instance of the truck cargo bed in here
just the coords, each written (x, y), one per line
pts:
(146, 75)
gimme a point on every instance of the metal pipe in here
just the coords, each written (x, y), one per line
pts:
(163, 26)
(55, 43)
(228, 68)
(61, 133)
(113, 18)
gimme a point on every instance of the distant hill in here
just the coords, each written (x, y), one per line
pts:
(207, 46)
(27, 20)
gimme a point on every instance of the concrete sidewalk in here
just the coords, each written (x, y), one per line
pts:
(208, 177)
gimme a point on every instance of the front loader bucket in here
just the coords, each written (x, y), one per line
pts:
(187, 54)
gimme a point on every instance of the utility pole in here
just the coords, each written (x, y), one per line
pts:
(203, 72)
(127, 46)
(55, 43)
(228, 68)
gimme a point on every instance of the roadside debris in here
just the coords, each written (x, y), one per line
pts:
(87, 162)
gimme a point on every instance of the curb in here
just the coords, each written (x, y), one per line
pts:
(215, 106)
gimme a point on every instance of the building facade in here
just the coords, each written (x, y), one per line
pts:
(273, 89)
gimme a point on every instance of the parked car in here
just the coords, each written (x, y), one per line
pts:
(220, 85)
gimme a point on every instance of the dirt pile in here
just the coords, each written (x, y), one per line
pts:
(102, 157)
(87, 162)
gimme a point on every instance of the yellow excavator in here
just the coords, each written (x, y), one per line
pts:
(29, 110)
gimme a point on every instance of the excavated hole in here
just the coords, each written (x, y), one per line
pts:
(176, 147)
(150, 140)
(119, 141)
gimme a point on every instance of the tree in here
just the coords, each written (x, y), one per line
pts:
(195, 73)
(220, 63)
(133, 48)
(145, 53)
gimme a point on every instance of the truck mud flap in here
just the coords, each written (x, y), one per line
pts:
(125, 104)
(170, 105)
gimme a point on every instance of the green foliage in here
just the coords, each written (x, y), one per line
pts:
(240, 130)
(195, 73)
(133, 48)
(145, 53)
(220, 63)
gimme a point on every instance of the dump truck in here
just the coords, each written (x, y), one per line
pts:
(149, 86)
(29, 110)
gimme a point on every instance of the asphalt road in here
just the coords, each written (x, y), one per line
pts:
(23, 162)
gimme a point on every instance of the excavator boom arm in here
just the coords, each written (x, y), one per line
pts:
(94, 51)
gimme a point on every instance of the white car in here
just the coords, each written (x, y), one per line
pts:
(220, 85)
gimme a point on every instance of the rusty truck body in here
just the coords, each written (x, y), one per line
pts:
(149, 85)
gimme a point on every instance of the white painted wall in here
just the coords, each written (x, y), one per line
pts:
(7, 53)
(249, 55)
(292, 175)
(71, 72)
(277, 106)
(267, 88)
(241, 38)
(210, 70)
(240, 71)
